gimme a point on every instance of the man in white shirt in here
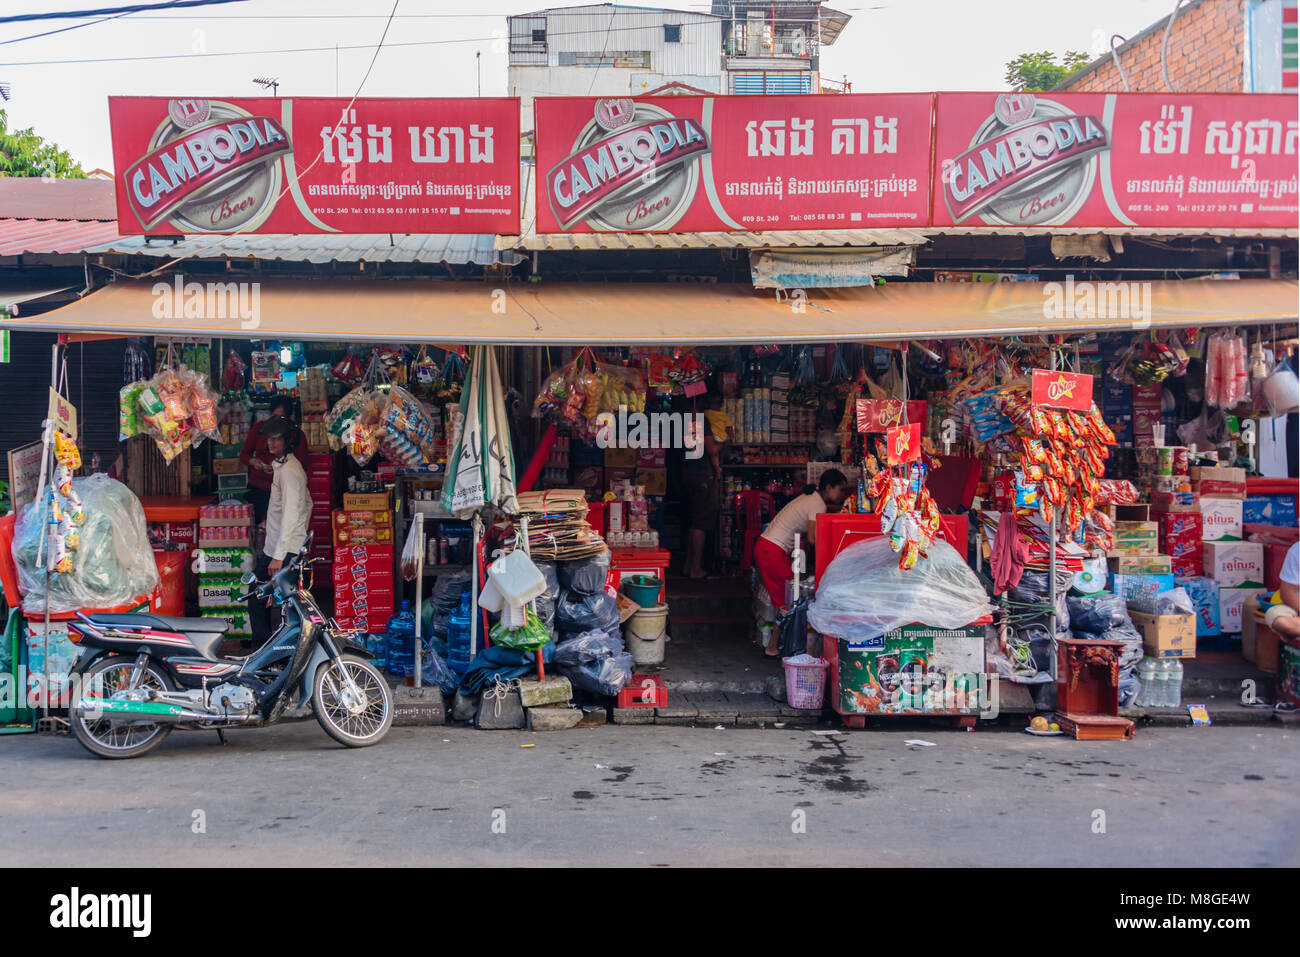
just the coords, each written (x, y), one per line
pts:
(287, 515)
(1285, 618)
(773, 549)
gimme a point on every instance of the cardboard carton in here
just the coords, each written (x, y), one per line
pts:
(1166, 636)
(1217, 482)
(1234, 564)
(1221, 519)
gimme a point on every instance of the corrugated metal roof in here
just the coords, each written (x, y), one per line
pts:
(21, 236)
(324, 248)
(1136, 231)
(788, 238)
(30, 197)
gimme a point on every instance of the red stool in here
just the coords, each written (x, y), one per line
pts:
(753, 509)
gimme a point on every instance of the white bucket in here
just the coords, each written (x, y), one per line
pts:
(644, 634)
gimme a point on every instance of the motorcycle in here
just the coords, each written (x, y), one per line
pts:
(144, 675)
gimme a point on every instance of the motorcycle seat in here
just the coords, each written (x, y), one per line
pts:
(164, 622)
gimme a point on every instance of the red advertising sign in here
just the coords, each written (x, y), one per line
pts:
(904, 443)
(1115, 159)
(1062, 390)
(716, 163)
(878, 415)
(278, 165)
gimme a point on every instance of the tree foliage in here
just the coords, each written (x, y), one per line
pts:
(1030, 72)
(24, 153)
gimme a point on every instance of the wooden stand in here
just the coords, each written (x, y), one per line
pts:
(1087, 689)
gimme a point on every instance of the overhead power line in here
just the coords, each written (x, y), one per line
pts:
(111, 11)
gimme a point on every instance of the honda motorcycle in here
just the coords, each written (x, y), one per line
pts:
(143, 675)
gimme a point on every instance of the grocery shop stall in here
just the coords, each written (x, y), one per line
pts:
(819, 393)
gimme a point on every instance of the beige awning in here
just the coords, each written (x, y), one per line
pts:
(658, 313)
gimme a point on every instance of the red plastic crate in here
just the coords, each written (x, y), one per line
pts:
(644, 691)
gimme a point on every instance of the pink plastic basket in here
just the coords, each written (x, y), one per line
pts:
(805, 684)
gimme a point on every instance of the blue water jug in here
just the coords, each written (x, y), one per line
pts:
(401, 641)
(377, 645)
(458, 623)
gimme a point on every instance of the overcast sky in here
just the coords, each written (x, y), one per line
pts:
(890, 45)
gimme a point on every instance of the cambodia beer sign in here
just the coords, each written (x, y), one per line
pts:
(278, 165)
(1115, 159)
(715, 163)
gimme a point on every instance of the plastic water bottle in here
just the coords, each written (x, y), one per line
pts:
(1175, 683)
(401, 641)
(377, 645)
(1160, 685)
(458, 623)
(1146, 677)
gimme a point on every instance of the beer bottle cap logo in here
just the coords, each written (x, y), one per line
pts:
(633, 167)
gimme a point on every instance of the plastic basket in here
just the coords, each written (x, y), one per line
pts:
(805, 684)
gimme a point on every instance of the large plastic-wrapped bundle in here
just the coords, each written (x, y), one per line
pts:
(863, 593)
(114, 562)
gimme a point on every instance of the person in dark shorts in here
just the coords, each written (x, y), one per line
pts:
(700, 477)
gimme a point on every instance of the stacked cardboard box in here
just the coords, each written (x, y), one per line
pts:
(225, 526)
(363, 587)
(320, 486)
(220, 590)
(1236, 566)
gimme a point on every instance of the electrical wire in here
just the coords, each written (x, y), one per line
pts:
(75, 26)
(1164, 46)
(134, 8)
(297, 176)
(1114, 55)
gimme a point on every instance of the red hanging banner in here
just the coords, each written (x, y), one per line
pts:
(1062, 390)
(904, 443)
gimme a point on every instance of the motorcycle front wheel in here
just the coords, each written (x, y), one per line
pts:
(357, 718)
(118, 740)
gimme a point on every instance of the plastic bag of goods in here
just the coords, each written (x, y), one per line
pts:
(408, 435)
(114, 561)
(604, 676)
(576, 613)
(178, 408)
(584, 576)
(587, 647)
(1096, 614)
(863, 593)
(1175, 602)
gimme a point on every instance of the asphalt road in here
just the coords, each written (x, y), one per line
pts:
(1221, 796)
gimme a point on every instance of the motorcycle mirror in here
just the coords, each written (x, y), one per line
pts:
(248, 578)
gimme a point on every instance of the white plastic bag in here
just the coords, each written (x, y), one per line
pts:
(863, 593)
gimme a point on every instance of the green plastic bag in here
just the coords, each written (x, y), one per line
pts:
(531, 636)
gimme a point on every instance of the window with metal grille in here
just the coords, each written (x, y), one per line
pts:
(539, 36)
(672, 33)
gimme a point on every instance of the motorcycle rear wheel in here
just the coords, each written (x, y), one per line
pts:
(109, 740)
(355, 727)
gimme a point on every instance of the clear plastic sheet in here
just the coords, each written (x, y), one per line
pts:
(113, 564)
(1175, 602)
(863, 592)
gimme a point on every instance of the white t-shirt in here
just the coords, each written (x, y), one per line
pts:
(793, 520)
(1291, 566)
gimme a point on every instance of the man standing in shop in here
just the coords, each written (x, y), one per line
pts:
(775, 547)
(700, 476)
(287, 514)
(257, 458)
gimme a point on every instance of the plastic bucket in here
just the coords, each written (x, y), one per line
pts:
(644, 634)
(643, 589)
(805, 684)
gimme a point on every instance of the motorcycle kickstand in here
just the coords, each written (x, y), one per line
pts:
(221, 736)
